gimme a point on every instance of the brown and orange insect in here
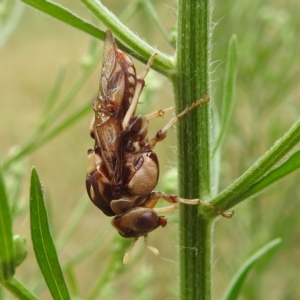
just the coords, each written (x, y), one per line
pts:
(123, 170)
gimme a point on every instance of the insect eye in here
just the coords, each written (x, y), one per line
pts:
(146, 222)
(129, 232)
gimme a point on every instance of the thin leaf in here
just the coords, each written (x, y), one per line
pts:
(141, 50)
(54, 92)
(35, 144)
(18, 289)
(237, 281)
(229, 89)
(85, 252)
(289, 166)
(73, 222)
(39, 136)
(62, 14)
(129, 11)
(42, 242)
(72, 119)
(234, 193)
(9, 20)
(73, 91)
(216, 159)
(7, 253)
(150, 10)
(114, 268)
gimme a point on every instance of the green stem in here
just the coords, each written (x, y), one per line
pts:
(17, 289)
(190, 83)
(142, 51)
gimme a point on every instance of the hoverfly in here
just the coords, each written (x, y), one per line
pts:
(123, 170)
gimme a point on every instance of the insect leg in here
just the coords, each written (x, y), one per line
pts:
(138, 89)
(175, 199)
(158, 113)
(161, 134)
(166, 208)
(153, 201)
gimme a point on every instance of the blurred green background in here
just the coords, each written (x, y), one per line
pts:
(266, 105)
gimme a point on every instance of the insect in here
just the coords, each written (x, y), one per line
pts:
(123, 170)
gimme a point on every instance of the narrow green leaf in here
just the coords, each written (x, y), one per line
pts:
(74, 221)
(42, 241)
(151, 11)
(130, 10)
(234, 193)
(115, 266)
(9, 20)
(289, 166)
(62, 14)
(142, 51)
(70, 120)
(216, 159)
(83, 254)
(7, 253)
(17, 289)
(54, 92)
(39, 137)
(229, 89)
(237, 281)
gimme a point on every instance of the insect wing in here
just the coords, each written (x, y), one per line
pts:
(117, 85)
(112, 82)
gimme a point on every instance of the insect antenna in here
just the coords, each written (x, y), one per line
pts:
(152, 249)
(126, 257)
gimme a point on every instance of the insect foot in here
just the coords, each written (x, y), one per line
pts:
(122, 168)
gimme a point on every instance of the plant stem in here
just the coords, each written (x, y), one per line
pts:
(142, 51)
(190, 83)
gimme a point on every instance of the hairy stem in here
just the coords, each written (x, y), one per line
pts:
(190, 83)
